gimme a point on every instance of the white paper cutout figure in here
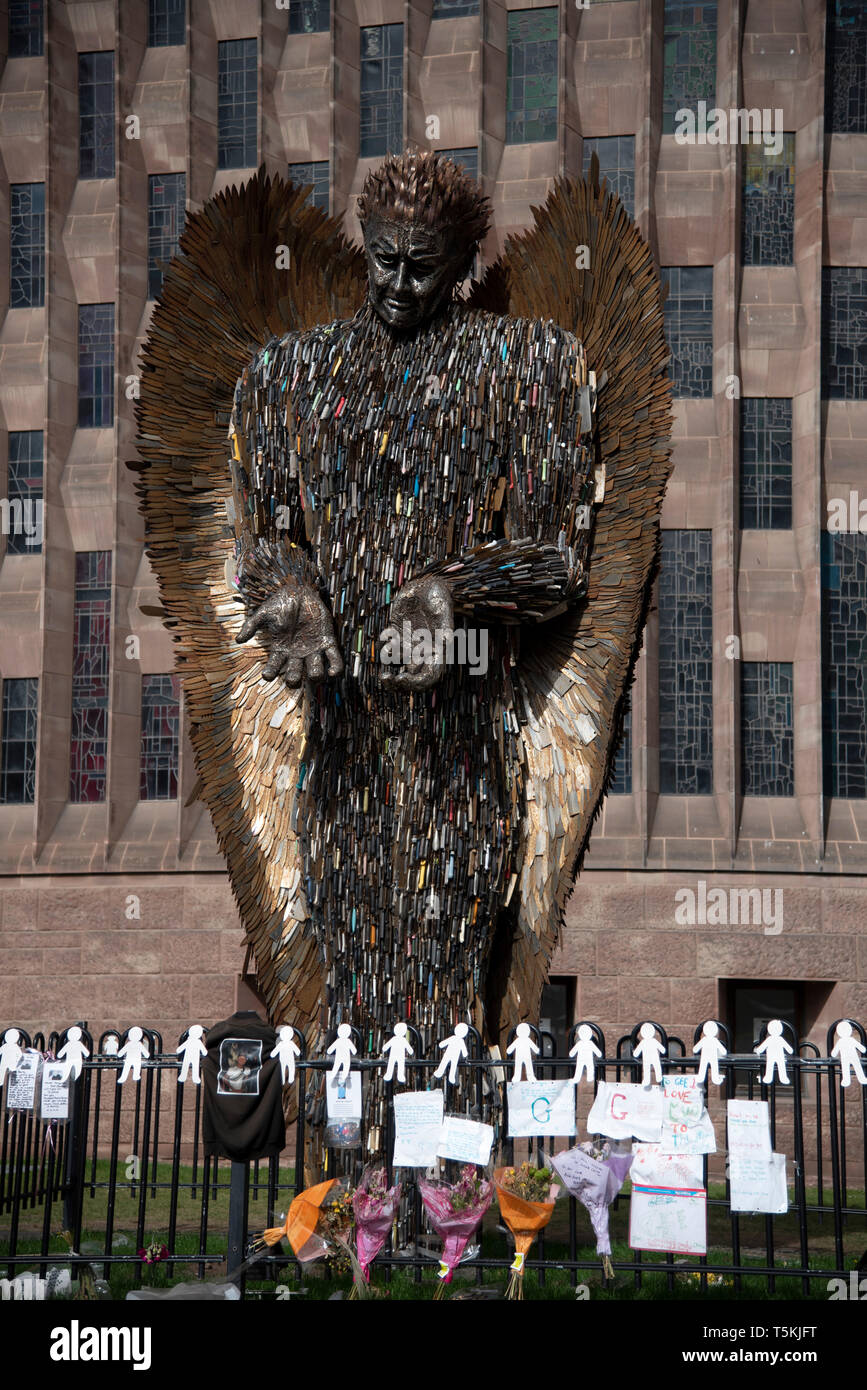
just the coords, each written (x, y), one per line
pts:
(650, 1050)
(846, 1048)
(523, 1048)
(710, 1050)
(110, 1045)
(133, 1053)
(73, 1053)
(191, 1051)
(10, 1053)
(584, 1051)
(455, 1049)
(775, 1048)
(344, 1050)
(286, 1051)
(397, 1049)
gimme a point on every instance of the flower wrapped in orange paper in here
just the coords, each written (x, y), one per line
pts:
(319, 1219)
(526, 1196)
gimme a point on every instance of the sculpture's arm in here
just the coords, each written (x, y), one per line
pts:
(274, 572)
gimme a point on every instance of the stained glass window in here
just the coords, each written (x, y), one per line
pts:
(167, 195)
(767, 728)
(96, 115)
(90, 661)
(622, 775)
(844, 663)
(24, 500)
(167, 23)
(454, 9)
(18, 741)
(468, 157)
(27, 245)
(316, 173)
(766, 463)
(616, 164)
(26, 29)
(95, 365)
(686, 664)
(160, 726)
(309, 16)
(381, 89)
(690, 59)
(237, 104)
(768, 207)
(846, 67)
(689, 328)
(531, 76)
(844, 333)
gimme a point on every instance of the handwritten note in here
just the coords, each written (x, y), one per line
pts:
(621, 1110)
(749, 1128)
(585, 1177)
(55, 1092)
(418, 1119)
(21, 1083)
(686, 1125)
(468, 1141)
(670, 1219)
(653, 1168)
(541, 1107)
(759, 1184)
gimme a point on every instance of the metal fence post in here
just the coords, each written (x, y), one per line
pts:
(239, 1206)
(76, 1143)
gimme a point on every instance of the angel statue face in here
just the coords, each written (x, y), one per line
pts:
(423, 220)
(411, 269)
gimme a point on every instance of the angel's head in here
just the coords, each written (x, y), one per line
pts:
(423, 220)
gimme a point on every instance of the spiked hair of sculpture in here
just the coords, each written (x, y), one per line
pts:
(421, 186)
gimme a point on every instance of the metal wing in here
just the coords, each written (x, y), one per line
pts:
(224, 295)
(576, 671)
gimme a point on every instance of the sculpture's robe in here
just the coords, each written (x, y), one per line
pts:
(378, 456)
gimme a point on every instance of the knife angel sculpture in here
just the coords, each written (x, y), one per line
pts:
(405, 542)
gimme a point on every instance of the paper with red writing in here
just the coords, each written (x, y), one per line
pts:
(621, 1110)
(653, 1168)
(686, 1125)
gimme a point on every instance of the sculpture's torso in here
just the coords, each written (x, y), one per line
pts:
(399, 453)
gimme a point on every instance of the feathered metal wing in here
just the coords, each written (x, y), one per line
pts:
(226, 293)
(586, 266)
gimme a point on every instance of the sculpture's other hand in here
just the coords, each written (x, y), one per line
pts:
(303, 635)
(426, 605)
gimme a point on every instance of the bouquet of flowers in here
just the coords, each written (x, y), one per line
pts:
(454, 1211)
(318, 1223)
(374, 1205)
(596, 1182)
(526, 1196)
(154, 1253)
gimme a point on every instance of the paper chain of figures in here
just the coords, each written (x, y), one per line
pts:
(710, 1051)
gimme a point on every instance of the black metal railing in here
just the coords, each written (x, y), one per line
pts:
(128, 1166)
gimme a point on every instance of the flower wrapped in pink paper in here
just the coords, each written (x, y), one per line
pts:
(455, 1210)
(375, 1206)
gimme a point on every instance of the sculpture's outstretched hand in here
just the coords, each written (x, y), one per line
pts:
(303, 635)
(425, 604)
